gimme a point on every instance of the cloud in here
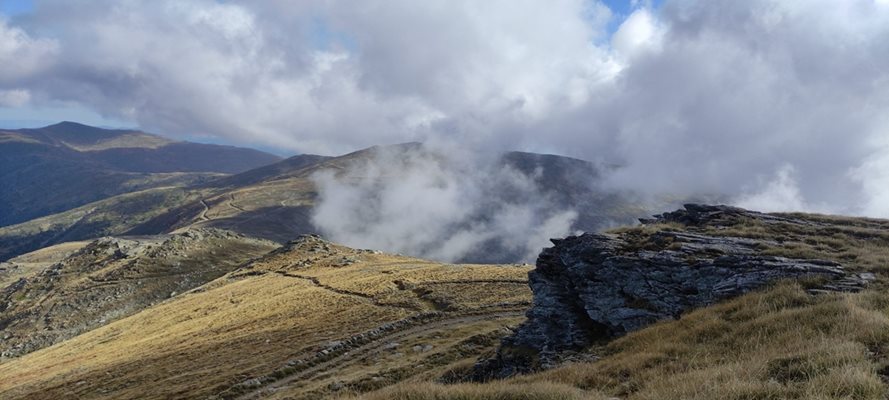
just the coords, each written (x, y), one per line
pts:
(640, 32)
(780, 194)
(21, 55)
(873, 176)
(14, 98)
(692, 97)
(438, 204)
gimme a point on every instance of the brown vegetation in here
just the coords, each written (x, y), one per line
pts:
(281, 322)
(780, 343)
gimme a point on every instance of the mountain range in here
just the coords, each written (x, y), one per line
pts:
(274, 201)
(136, 267)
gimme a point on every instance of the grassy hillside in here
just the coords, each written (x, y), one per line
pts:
(112, 216)
(781, 343)
(317, 320)
(109, 279)
(32, 263)
(307, 320)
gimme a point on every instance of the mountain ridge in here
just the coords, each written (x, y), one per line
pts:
(276, 201)
(59, 167)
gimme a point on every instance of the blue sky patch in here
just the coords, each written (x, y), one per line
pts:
(16, 7)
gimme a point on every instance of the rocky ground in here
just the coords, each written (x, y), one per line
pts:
(112, 278)
(595, 287)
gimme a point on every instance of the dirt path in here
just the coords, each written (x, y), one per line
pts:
(203, 215)
(357, 353)
(359, 295)
(231, 203)
(477, 281)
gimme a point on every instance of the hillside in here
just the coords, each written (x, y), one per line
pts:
(108, 279)
(112, 216)
(307, 319)
(804, 336)
(277, 202)
(63, 166)
(795, 307)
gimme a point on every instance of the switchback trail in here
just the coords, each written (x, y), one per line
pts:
(203, 215)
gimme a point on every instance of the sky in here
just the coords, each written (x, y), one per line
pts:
(778, 104)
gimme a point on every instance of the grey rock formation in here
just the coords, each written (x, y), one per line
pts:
(595, 286)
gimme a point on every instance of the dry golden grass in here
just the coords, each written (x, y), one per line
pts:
(860, 244)
(250, 323)
(780, 343)
(493, 391)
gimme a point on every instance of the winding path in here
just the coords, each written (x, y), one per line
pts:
(203, 215)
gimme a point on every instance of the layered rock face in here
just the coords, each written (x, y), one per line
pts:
(594, 286)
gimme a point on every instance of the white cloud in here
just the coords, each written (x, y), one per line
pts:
(14, 97)
(873, 175)
(438, 204)
(780, 194)
(21, 55)
(638, 33)
(692, 97)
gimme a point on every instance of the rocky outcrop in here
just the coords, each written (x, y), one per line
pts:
(598, 286)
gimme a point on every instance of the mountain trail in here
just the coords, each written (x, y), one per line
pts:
(203, 215)
(355, 354)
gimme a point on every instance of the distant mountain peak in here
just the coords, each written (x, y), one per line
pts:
(67, 124)
(74, 133)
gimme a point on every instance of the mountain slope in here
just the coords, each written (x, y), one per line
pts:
(806, 337)
(277, 202)
(136, 151)
(110, 279)
(59, 167)
(287, 320)
(316, 320)
(112, 216)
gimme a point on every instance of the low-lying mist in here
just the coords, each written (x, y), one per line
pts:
(446, 205)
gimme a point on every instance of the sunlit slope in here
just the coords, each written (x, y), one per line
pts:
(273, 202)
(309, 319)
(112, 216)
(109, 279)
